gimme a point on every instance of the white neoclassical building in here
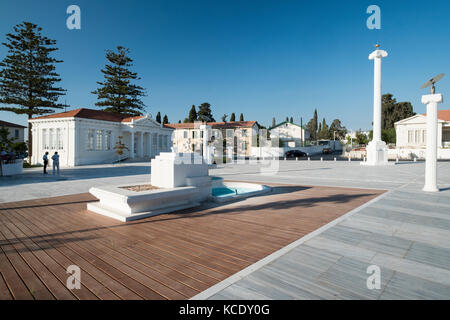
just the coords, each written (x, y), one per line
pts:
(86, 136)
(412, 132)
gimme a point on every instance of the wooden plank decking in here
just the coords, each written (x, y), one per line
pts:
(171, 256)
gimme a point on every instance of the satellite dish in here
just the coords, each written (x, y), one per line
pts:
(432, 81)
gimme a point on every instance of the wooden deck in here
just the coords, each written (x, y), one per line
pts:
(171, 256)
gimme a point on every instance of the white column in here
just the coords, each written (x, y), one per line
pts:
(149, 144)
(377, 150)
(141, 145)
(156, 144)
(431, 100)
(132, 144)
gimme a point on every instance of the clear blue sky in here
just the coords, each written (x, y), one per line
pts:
(263, 58)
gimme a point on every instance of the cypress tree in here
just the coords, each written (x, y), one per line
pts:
(165, 119)
(273, 122)
(192, 114)
(232, 117)
(291, 120)
(117, 93)
(158, 117)
(241, 117)
(28, 77)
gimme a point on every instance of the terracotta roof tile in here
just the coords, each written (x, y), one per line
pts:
(442, 115)
(214, 125)
(90, 114)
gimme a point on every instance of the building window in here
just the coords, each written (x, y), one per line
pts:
(244, 146)
(51, 136)
(410, 136)
(230, 133)
(244, 132)
(44, 139)
(185, 134)
(90, 142)
(108, 140)
(417, 136)
(201, 134)
(99, 141)
(16, 133)
(424, 136)
(194, 134)
(59, 139)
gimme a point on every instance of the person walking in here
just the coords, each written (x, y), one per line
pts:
(55, 162)
(45, 158)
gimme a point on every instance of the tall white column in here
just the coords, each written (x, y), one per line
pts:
(132, 144)
(141, 145)
(431, 100)
(377, 153)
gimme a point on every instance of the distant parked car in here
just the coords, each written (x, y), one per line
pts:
(327, 151)
(295, 154)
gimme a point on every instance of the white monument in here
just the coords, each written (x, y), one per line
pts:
(431, 100)
(377, 152)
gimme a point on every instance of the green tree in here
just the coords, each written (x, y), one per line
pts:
(5, 142)
(337, 127)
(361, 138)
(393, 111)
(232, 117)
(158, 117)
(312, 126)
(204, 113)
(241, 117)
(117, 92)
(192, 115)
(165, 119)
(224, 118)
(273, 122)
(28, 76)
(291, 120)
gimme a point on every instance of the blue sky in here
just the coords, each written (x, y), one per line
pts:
(262, 58)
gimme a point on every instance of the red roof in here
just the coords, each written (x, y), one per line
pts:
(90, 114)
(442, 115)
(215, 125)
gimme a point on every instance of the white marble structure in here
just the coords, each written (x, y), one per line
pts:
(86, 136)
(377, 152)
(183, 182)
(431, 100)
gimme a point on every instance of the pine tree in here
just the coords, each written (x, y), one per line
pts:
(241, 117)
(287, 119)
(204, 113)
(28, 77)
(117, 93)
(165, 119)
(192, 115)
(232, 117)
(179, 121)
(273, 122)
(291, 120)
(158, 117)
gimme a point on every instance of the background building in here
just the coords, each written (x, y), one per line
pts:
(188, 137)
(86, 136)
(412, 132)
(290, 134)
(16, 131)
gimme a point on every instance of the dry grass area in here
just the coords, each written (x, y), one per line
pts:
(142, 187)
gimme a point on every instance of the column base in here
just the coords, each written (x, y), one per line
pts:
(377, 154)
(430, 189)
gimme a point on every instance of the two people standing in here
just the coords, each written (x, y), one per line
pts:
(55, 162)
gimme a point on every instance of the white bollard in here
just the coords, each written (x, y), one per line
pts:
(296, 159)
(309, 159)
(335, 159)
(321, 159)
(349, 159)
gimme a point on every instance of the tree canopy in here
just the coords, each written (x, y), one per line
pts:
(117, 93)
(232, 117)
(393, 111)
(27, 76)
(204, 113)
